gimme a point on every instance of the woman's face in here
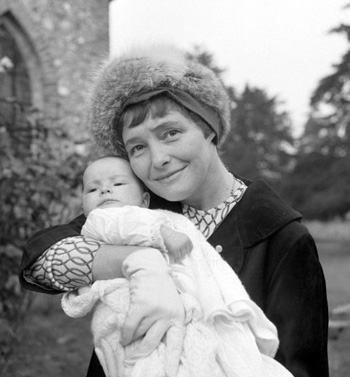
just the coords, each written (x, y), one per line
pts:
(171, 156)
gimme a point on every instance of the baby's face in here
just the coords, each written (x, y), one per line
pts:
(110, 182)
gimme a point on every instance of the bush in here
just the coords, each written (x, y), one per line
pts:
(40, 186)
(319, 186)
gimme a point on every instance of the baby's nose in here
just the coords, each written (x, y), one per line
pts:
(106, 190)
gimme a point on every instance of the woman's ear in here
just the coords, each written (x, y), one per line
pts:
(145, 199)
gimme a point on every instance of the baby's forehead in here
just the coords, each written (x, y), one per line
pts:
(109, 163)
(111, 167)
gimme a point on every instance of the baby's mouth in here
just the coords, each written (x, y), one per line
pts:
(107, 201)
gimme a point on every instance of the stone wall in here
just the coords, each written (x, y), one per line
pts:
(61, 43)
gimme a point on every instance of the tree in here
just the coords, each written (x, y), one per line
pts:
(320, 184)
(330, 105)
(206, 58)
(39, 186)
(260, 142)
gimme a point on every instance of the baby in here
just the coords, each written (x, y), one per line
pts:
(224, 334)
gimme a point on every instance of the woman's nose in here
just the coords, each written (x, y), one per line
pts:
(159, 156)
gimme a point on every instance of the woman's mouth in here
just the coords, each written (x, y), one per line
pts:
(169, 177)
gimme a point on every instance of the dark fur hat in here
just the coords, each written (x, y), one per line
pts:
(146, 69)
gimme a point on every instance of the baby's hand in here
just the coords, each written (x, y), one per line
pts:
(177, 243)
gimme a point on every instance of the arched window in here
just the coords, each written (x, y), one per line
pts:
(14, 81)
(20, 82)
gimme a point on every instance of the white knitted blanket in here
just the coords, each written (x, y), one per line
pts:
(226, 333)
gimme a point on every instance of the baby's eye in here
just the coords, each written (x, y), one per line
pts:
(93, 189)
(118, 184)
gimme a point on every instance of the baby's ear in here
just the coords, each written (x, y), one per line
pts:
(145, 199)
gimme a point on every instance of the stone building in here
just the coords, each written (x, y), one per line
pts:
(48, 49)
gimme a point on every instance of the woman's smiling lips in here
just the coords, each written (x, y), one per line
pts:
(170, 176)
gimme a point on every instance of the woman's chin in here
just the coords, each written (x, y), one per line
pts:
(173, 196)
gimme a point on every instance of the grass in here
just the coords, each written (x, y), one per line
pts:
(335, 230)
(333, 243)
(50, 343)
(335, 259)
(55, 345)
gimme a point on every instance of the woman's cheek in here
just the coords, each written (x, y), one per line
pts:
(138, 167)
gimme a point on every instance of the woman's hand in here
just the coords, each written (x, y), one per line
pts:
(155, 304)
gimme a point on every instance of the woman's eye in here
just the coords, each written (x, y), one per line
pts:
(172, 133)
(137, 149)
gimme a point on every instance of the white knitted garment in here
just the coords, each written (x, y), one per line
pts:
(226, 333)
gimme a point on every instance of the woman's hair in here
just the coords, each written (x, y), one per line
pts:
(123, 81)
(157, 107)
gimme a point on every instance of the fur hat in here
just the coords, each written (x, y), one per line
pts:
(147, 69)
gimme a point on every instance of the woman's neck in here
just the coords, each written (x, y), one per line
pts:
(215, 189)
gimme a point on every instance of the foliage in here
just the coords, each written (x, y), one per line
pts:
(330, 116)
(39, 185)
(206, 58)
(319, 186)
(260, 142)
(321, 136)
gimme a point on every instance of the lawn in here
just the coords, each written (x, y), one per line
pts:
(335, 259)
(51, 344)
(55, 345)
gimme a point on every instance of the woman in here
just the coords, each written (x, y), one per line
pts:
(169, 116)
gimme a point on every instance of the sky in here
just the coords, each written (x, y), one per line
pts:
(281, 46)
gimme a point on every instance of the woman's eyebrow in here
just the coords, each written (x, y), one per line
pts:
(168, 123)
(160, 126)
(133, 140)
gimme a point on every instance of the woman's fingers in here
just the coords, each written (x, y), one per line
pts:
(174, 342)
(149, 343)
(131, 328)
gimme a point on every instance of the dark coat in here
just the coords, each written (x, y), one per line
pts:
(275, 257)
